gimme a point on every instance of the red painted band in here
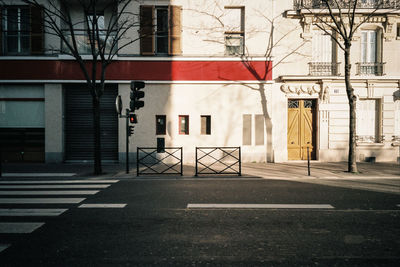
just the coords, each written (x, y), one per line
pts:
(140, 70)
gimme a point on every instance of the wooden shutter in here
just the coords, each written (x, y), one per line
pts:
(175, 29)
(146, 30)
(37, 30)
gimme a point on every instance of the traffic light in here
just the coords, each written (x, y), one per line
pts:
(133, 118)
(131, 129)
(136, 95)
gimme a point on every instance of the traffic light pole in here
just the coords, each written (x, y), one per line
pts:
(127, 140)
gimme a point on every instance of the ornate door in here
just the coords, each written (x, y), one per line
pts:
(301, 128)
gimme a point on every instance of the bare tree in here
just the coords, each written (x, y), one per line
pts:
(276, 46)
(101, 39)
(341, 26)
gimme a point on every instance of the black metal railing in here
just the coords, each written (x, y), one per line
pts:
(324, 68)
(149, 161)
(320, 4)
(375, 68)
(218, 160)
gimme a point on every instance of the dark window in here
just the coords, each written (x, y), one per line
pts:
(398, 30)
(160, 30)
(183, 124)
(206, 124)
(21, 30)
(161, 124)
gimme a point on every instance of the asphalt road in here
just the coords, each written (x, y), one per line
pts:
(156, 227)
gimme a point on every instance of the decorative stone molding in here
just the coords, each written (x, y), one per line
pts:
(306, 22)
(292, 89)
(389, 35)
(370, 90)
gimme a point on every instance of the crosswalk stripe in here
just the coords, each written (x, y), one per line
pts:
(32, 212)
(61, 182)
(41, 200)
(37, 174)
(3, 247)
(260, 206)
(59, 192)
(19, 228)
(52, 186)
(102, 205)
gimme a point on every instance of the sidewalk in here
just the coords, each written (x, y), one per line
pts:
(266, 170)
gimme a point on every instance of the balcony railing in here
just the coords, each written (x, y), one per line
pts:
(370, 139)
(83, 43)
(319, 4)
(377, 69)
(323, 68)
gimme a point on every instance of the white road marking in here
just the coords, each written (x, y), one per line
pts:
(259, 206)
(4, 246)
(41, 200)
(68, 192)
(102, 206)
(19, 228)
(61, 182)
(32, 212)
(21, 174)
(52, 186)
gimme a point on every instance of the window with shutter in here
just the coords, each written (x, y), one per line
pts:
(368, 120)
(323, 55)
(175, 29)
(160, 30)
(146, 30)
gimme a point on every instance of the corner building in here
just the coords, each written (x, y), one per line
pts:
(217, 73)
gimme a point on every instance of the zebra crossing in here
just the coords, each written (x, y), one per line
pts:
(23, 202)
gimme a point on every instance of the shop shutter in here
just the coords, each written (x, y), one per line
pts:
(175, 29)
(79, 130)
(146, 30)
(37, 29)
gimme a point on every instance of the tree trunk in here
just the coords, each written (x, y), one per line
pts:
(352, 163)
(97, 135)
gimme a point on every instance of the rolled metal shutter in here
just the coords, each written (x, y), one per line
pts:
(79, 130)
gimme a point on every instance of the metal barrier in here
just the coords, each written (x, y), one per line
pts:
(149, 160)
(218, 160)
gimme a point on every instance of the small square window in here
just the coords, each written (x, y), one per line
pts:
(161, 122)
(205, 124)
(183, 124)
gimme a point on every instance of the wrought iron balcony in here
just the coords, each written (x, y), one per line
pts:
(323, 68)
(377, 68)
(320, 4)
(83, 42)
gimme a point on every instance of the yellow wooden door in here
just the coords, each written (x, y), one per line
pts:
(301, 129)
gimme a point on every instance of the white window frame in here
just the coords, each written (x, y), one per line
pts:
(369, 46)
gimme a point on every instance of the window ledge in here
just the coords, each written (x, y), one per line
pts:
(370, 145)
